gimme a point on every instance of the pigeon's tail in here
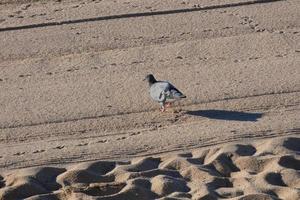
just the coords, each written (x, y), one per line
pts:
(177, 94)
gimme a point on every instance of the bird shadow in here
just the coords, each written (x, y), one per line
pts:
(226, 115)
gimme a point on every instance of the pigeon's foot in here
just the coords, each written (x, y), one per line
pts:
(162, 109)
(168, 105)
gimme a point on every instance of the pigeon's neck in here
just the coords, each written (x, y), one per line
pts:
(152, 81)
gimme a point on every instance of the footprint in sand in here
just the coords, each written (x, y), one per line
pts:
(19, 153)
(184, 33)
(57, 10)
(2, 182)
(26, 75)
(82, 144)
(25, 7)
(135, 133)
(121, 138)
(279, 56)
(228, 27)
(253, 58)
(59, 147)
(207, 30)
(102, 141)
(39, 151)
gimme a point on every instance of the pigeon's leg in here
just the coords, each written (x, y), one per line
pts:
(162, 107)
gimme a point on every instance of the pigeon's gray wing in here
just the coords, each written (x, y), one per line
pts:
(174, 93)
(158, 90)
(162, 91)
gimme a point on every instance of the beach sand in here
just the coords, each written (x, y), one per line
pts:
(268, 169)
(77, 122)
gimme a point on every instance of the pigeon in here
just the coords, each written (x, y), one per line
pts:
(163, 92)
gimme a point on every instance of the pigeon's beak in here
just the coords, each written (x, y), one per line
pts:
(144, 79)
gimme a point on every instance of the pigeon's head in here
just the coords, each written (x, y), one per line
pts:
(150, 78)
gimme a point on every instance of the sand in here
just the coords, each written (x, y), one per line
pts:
(268, 169)
(77, 122)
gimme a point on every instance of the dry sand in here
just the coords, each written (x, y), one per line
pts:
(76, 120)
(263, 170)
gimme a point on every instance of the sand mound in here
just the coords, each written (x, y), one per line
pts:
(29, 182)
(263, 170)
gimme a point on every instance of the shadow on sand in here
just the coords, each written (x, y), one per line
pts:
(226, 115)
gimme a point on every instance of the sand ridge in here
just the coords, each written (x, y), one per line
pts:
(266, 169)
